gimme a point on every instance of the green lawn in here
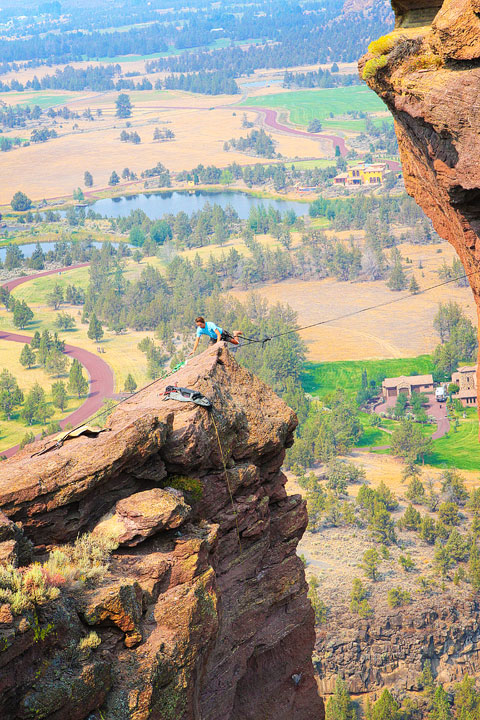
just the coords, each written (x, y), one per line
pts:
(320, 379)
(304, 105)
(35, 291)
(459, 449)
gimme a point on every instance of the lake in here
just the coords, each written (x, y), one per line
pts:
(155, 205)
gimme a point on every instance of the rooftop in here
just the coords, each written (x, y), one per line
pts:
(411, 380)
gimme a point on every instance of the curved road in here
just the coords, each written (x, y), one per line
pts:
(270, 119)
(102, 382)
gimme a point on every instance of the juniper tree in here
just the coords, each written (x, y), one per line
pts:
(10, 394)
(130, 384)
(76, 381)
(27, 356)
(95, 330)
(59, 395)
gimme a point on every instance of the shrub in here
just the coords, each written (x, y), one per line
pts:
(26, 588)
(427, 61)
(397, 597)
(448, 513)
(81, 563)
(90, 642)
(358, 600)
(373, 65)
(411, 519)
(406, 562)
(382, 45)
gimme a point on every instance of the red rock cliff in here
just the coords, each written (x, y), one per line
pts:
(428, 73)
(203, 612)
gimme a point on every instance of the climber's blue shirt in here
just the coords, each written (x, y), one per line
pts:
(209, 330)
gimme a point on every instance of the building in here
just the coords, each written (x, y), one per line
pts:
(363, 174)
(466, 379)
(393, 387)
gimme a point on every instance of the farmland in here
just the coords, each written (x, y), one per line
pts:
(305, 105)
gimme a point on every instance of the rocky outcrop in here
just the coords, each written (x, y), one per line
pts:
(430, 80)
(203, 611)
(390, 650)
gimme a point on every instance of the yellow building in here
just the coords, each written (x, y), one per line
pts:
(363, 174)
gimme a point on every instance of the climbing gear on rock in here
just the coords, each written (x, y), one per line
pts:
(172, 392)
(86, 430)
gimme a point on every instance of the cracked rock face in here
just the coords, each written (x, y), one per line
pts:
(432, 88)
(203, 611)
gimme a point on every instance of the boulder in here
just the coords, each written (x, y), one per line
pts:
(144, 514)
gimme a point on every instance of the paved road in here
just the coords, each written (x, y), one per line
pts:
(101, 376)
(434, 408)
(270, 119)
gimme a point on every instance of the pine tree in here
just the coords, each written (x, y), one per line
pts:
(386, 708)
(474, 566)
(76, 382)
(22, 314)
(27, 356)
(35, 343)
(397, 280)
(370, 563)
(88, 179)
(340, 706)
(56, 362)
(441, 706)
(414, 287)
(10, 393)
(59, 395)
(114, 179)
(35, 408)
(130, 384)
(95, 330)
(124, 106)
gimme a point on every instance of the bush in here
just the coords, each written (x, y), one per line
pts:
(406, 562)
(448, 513)
(397, 597)
(382, 45)
(81, 563)
(90, 642)
(358, 600)
(373, 65)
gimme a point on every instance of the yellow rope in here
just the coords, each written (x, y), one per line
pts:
(228, 481)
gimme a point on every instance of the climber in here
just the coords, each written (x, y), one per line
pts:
(214, 332)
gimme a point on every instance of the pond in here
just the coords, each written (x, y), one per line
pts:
(155, 205)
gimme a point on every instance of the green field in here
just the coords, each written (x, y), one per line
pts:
(215, 45)
(320, 379)
(304, 105)
(42, 99)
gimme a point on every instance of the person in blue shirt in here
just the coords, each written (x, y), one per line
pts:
(214, 332)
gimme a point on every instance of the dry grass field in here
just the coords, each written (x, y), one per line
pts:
(201, 125)
(404, 329)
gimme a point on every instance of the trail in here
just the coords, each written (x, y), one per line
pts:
(102, 382)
